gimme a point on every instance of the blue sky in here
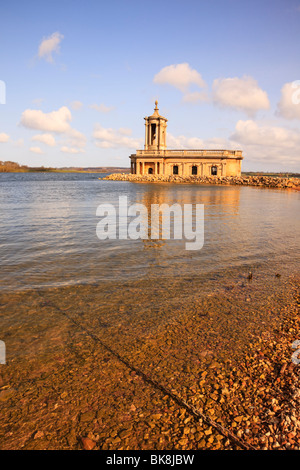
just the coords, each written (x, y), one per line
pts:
(80, 77)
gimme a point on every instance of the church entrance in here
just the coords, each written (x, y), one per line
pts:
(214, 171)
(194, 170)
(150, 171)
(175, 170)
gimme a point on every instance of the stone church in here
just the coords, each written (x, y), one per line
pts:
(155, 159)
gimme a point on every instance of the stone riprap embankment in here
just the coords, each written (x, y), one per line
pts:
(265, 181)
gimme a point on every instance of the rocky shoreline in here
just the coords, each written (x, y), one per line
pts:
(262, 181)
(267, 384)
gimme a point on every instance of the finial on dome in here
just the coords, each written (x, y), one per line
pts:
(156, 103)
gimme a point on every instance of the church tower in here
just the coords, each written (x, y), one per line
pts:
(156, 159)
(155, 131)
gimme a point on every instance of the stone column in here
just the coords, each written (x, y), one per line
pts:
(155, 166)
(156, 135)
(146, 135)
(149, 135)
(143, 168)
(163, 134)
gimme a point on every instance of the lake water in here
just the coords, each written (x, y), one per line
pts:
(48, 232)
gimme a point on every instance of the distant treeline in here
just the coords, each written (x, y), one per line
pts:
(266, 173)
(12, 167)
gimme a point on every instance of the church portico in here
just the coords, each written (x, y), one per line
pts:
(147, 167)
(155, 159)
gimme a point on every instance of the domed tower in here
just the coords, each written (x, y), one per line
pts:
(155, 131)
(155, 159)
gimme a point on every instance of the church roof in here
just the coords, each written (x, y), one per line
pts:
(156, 114)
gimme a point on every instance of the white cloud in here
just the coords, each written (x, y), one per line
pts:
(240, 93)
(125, 131)
(181, 76)
(269, 143)
(55, 121)
(4, 137)
(76, 138)
(36, 150)
(112, 138)
(249, 132)
(76, 105)
(289, 104)
(182, 142)
(102, 108)
(50, 45)
(72, 150)
(47, 139)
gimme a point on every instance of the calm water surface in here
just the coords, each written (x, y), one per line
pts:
(48, 231)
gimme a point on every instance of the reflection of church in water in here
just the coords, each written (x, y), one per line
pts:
(156, 159)
(228, 197)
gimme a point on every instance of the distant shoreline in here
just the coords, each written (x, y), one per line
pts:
(25, 169)
(113, 170)
(13, 167)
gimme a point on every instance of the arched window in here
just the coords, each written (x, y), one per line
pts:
(175, 170)
(194, 170)
(214, 170)
(153, 133)
(150, 171)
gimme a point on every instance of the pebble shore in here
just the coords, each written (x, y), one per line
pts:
(264, 181)
(81, 389)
